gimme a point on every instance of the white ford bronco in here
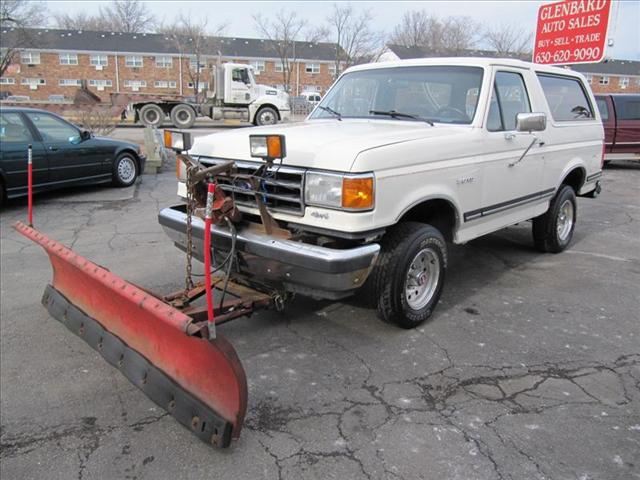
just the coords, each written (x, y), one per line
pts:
(398, 160)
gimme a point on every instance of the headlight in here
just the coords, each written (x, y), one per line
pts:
(349, 192)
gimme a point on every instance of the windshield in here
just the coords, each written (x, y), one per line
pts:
(444, 94)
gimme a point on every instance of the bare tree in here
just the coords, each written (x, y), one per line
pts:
(282, 33)
(17, 16)
(508, 39)
(445, 35)
(195, 40)
(355, 41)
(80, 21)
(128, 16)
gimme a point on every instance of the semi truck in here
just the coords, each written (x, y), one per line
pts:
(234, 94)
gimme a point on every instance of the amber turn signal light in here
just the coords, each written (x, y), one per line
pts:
(357, 193)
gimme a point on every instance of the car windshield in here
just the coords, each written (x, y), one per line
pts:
(443, 94)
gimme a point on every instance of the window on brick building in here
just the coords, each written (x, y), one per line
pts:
(33, 81)
(7, 81)
(164, 62)
(202, 86)
(590, 79)
(604, 80)
(258, 66)
(194, 64)
(135, 84)
(56, 98)
(30, 58)
(100, 84)
(68, 59)
(165, 84)
(624, 82)
(279, 67)
(99, 60)
(312, 68)
(133, 61)
(69, 82)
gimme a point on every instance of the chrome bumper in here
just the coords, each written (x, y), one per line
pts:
(311, 270)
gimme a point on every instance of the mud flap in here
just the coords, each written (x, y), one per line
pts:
(201, 383)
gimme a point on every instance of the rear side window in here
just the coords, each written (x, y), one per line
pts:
(566, 97)
(13, 129)
(603, 107)
(628, 108)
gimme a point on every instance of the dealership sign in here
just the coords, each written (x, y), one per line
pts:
(572, 31)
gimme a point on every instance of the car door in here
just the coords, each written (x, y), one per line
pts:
(15, 138)
(70, 157)
(511, 181)
(607, 113)
(240, 86)
(627, 124)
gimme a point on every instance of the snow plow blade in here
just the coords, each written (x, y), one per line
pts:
(200, 382)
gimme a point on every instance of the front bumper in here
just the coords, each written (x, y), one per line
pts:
(311, 270)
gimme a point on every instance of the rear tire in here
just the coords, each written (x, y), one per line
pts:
(183, 116)
(125, 170)
(553, 230)
(409, 274)
(266, 116)
(151, 115)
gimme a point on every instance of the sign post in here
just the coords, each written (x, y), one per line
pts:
(30, 184)
(572, 31)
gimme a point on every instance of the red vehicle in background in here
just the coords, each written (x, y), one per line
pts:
(621, 120)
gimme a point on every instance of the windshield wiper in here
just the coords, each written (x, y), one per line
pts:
(338, 115)
(394, 114)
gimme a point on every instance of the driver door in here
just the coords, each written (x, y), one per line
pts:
(240, 86)
(511, 184)
(69, 157)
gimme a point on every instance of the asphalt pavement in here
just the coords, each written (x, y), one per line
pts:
(529, 368)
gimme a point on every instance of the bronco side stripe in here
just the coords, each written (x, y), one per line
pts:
(516, 202)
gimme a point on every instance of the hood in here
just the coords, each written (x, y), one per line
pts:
(116, 142)
(323, 144)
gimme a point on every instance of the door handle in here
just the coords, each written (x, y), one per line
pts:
(53, 149)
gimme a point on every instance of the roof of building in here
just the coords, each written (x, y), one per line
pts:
(611, 67)
(158, 43)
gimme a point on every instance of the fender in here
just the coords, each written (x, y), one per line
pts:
(434, 194)
(573, 164)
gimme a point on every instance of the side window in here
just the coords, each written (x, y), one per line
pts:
(509, 98)
(51, 128)
(239, 75)
(628, 108)
(13, 129)
(603, 108)
(566, 97)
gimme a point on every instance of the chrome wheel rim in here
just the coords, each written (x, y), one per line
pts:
(126, 170)
(422, 278)
(267, 118)
(565, 220)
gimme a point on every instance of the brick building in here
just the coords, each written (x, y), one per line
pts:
(57, 61)
(612, 76)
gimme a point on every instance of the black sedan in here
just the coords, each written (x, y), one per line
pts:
(63, 154)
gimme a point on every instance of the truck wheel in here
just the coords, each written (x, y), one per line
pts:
(266, 116)
(409, 273)
(183, 116)
(553, 230)
(125, 170)
(151, 115)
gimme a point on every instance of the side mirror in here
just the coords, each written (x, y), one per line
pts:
(531, 122)
(85, 134)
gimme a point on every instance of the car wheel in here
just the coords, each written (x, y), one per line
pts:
(409, 274)
(152, 115)
(125, 170)
(553, 230)
(183, 116)
(266, 116)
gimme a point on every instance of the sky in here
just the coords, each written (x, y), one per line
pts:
(237, 15)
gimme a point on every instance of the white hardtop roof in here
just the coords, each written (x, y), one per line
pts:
(466, 61)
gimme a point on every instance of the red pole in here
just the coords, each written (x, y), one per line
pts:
(207, 260)
(30, 184)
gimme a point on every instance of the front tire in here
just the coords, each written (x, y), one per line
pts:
(151, 115)
(409, 274)
(553, 230)
(266, 116)
(183, 116)
(125, 170)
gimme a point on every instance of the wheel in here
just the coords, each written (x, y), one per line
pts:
(553, 230)
(409, 274)
(183, 116)
(266, 116)
(125, 170)
(152, 115)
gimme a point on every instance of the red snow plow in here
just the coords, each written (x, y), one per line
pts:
(166, 345)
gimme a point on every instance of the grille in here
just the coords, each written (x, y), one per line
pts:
(282, 189)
